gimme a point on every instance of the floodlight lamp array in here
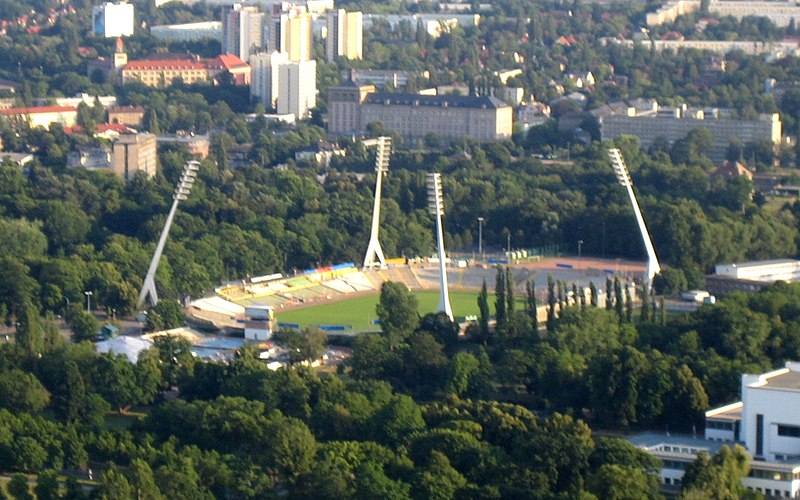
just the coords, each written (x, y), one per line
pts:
(186, 181)
(435, 199)
(382, 154)
(620, 170)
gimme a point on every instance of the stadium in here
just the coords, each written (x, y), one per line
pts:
(342, 298)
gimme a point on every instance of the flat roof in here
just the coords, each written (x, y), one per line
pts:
(789, 381)
(731, 413)
(760, 263)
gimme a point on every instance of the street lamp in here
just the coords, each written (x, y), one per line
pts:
(480, 237)
(509, 243)
(88, 301)
(580, 243)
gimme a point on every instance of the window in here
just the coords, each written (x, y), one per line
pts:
(789, 431)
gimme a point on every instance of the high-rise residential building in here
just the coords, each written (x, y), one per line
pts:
(134, 153)
(290, 32)
(112, 19)
(243, 30)
(344, 35)
(264, 82)
(297, 88)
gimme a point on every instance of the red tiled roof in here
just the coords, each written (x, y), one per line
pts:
(230, 61)
(154, 64)
(115, 127)
(35, 110)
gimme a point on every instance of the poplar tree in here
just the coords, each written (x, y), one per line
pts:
(619, 305)
(593, 293)
(509, 292)
(483, 309)
(551, 304)
(530, 302)
(500, 300)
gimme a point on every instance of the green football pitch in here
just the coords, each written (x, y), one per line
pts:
(360, 311)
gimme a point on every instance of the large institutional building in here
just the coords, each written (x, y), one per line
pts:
(134, 153)
(190, 69)
(352, 106)
(344, 35)
(112, 19)
(672, 124)
(766, 422)
(41, 116)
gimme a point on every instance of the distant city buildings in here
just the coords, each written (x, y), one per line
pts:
(264, 83)
(190, 32)
(132, 116)
(290, 32)
(134, 153)
(188, 68)
(42, 116)
(243, 30)
(433, 24)
(382, 77)
(672, 124)
(344, 37)
(297, 88)
(112, 19)
(780, 13)
(104, 70)
(352, 106)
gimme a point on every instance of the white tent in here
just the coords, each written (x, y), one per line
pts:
(129, 346)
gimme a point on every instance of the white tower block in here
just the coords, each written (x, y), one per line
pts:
(182, 191)
(384, 149)
(436, 208)
(624, 179)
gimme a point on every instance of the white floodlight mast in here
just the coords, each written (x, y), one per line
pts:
(624, 179)
(182, 191)
(374, 251)
(436, 208)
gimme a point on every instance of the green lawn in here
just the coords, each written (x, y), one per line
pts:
(360, 311)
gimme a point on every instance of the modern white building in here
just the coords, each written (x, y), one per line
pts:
(765, 270)
(264, 82)
(113, 19)
(345, 31)
(188, 32)
(766, 422)
(297, 88)
(242, 30)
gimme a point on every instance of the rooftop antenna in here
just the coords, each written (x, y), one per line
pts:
(436, 208)
(384, 149)
(182, 191)
(624, 178)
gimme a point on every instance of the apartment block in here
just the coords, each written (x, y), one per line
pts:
(344, 39)
(113, 19)
(297, 88)
(672, 124)
(243, 30)
(264, 83)
(290, 32)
